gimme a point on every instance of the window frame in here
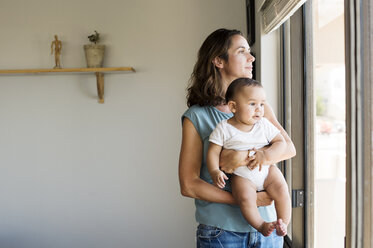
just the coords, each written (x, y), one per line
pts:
(297, 88)
(296, 82)
(359, 115)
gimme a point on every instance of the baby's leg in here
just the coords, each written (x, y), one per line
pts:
(244, 191)
(276, 187)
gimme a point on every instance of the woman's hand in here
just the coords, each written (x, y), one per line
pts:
(231, 159)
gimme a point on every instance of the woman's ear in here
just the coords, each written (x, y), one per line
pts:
(232, 106)
(218, 62)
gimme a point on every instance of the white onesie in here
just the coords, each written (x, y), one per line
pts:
(261, 134)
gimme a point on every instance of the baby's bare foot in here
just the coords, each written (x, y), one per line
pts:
(281, 228)
(267, 228)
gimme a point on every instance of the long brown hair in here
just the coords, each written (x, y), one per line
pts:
(205, 86)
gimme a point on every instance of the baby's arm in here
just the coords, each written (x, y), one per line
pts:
(212, 159)
(276, 147)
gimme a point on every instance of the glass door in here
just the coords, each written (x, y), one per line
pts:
(330, 129)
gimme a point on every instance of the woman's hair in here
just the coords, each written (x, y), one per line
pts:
(237, 85)
(205, 86)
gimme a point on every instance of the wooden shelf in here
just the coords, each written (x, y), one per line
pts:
(98, 71)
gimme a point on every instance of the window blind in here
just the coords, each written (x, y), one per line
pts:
(276, 12)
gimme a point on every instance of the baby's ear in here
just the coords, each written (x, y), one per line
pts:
(232, 106)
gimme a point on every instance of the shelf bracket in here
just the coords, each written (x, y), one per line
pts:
(100, 86)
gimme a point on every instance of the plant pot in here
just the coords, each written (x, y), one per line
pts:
(94, 55)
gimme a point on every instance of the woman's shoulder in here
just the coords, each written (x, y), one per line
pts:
(198, 108)
(201, 116)
(197, 111)
(204, 116)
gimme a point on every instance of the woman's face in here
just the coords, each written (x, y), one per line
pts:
(240, 61)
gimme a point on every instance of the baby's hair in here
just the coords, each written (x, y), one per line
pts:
(238, 84)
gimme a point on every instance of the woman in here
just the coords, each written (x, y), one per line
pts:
(223, 57)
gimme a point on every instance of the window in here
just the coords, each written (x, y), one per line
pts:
(330, 129)
(322, 129)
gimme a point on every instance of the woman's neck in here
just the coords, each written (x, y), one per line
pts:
(225, 81)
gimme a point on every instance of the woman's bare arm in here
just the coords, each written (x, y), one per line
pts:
(232, 159)
(290, 148)
(191, 185)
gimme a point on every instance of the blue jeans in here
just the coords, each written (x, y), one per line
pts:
(213, 237)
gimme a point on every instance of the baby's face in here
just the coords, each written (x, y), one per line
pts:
(250, 104)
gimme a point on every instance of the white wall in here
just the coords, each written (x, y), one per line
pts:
(75, 173)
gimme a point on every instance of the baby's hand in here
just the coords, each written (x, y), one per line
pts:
(218, 177)
(257, 159)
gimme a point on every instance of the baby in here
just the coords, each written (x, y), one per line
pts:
(249, 130)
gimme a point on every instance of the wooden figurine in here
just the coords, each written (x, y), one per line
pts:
(57, 51)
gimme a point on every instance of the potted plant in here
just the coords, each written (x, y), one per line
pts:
(94, 53)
